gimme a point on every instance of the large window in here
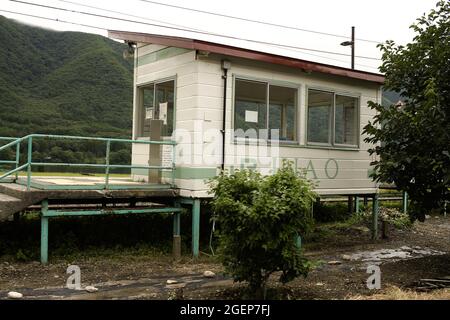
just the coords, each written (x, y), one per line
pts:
(159, 106)
(259, 106)
(332, 119)
(250, 107)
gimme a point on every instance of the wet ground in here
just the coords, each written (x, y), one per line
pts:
(342, 257)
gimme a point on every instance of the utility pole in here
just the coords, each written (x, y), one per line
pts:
(353, 47)
(352, 44)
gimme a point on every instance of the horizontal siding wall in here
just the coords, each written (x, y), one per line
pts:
(153, 63)
(353, 167)
(199, 107)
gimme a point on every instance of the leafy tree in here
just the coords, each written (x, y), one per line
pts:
(259, 220)
(415, 137)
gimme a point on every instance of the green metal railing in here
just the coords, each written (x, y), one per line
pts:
(16, 162)
(16, 142)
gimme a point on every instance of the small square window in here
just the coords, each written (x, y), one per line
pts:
(250, 107)
(333, 119)
(159, 106)
(282, 113)
(346, 121)
(254, 113)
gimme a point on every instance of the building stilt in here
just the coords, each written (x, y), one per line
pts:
(375, 217)
(44, 232)
(195, 227)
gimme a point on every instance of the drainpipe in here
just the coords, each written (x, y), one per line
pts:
(225, 66)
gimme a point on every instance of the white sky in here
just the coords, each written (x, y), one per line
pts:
(377, 20)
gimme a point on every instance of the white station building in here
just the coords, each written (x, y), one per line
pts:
(232, 108)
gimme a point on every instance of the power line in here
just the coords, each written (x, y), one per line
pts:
(54, 19)
(254, 21)
(105, 29)
(127, 14)
(183, 29)
(177, 25)
(334, 59)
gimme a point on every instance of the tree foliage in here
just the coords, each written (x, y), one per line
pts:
(415, 136)
(259, 219)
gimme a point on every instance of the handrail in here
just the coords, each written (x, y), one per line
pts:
(8, 138)
(14, 141)
(107, 166)
(38, 135)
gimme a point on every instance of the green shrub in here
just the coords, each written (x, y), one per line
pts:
(259, 219)
(395, 217)
(392, 216)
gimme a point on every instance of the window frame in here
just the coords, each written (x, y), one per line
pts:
(268, 82)
(139, 107)
(332, 126)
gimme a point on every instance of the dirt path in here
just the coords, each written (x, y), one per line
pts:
(404, 258)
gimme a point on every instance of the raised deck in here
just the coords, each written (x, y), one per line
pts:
(22, 189)
(79, 190)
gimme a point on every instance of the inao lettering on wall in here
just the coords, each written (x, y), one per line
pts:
(74, 280)
(329, 170)
(251, 116)
(310, 168)
(374, 281)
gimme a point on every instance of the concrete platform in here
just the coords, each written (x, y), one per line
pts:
(87, 183)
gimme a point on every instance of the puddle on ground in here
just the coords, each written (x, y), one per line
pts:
(383, 255)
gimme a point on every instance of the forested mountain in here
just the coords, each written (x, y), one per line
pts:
(68, 83)
(62, 83)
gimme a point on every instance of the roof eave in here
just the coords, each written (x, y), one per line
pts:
(194, 44)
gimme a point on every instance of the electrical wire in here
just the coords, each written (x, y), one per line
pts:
(183, 29)
(105, 29)
(126, 14)
(177, 25)
(254, 21)
(54, 19)
(160, 21)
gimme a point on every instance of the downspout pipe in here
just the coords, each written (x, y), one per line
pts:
(225, 66)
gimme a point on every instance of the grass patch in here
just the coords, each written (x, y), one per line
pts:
(105, 236)
(330, 212)
(395, 293)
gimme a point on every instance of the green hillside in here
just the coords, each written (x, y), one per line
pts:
(68, 83)
(62, 83)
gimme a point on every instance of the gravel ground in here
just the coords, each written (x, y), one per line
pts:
(127, 276)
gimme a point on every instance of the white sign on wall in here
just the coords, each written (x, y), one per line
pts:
(251, 116)
(166, 156)
(148, 113)
(163, 112)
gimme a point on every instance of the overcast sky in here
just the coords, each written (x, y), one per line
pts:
(376, 20)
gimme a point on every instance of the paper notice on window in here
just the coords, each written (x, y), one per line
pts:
(148, 113)
(163, 112)
(251, 116)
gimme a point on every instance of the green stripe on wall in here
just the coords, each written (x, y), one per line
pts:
(160, 55)
(183, 173)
